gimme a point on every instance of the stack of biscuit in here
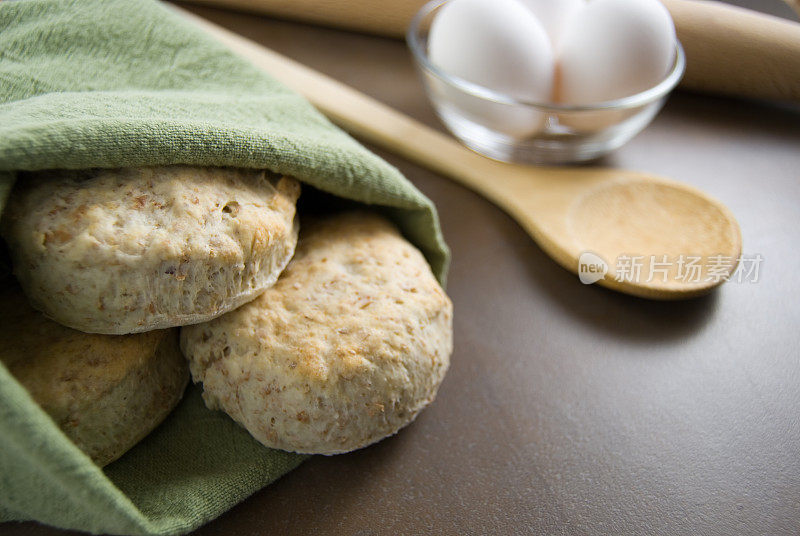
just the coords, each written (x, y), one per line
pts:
(131, 280)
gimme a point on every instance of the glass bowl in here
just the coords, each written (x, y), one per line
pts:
(507, 129)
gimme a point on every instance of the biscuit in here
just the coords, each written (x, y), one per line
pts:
(347, 347)
(131, 250)
(105, 392)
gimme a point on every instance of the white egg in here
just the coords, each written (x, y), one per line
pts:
(614, 48)
(554, 15)
(499, 45)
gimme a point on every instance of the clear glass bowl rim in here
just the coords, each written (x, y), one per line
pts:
(639, 99)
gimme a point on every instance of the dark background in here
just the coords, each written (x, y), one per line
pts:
(571, 409)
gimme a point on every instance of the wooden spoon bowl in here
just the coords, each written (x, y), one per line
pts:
(658, 238)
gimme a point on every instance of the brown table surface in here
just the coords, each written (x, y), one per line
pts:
(571, 409)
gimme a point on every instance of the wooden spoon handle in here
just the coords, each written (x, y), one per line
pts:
(736, 51)
(375, 122)
(729, 50)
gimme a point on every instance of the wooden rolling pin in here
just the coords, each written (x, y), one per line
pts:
(729, 50)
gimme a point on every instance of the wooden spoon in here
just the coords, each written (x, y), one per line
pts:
(630, 220)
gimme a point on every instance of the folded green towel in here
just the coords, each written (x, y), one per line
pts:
(99, 83)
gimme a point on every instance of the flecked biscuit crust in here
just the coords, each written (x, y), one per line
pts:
(131, 250)
(347, 347)
(105, 392)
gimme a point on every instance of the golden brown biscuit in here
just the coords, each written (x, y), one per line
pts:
(131, 250)
(106, 392)
(347, 347)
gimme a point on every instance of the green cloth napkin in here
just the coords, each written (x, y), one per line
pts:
(99, 83)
